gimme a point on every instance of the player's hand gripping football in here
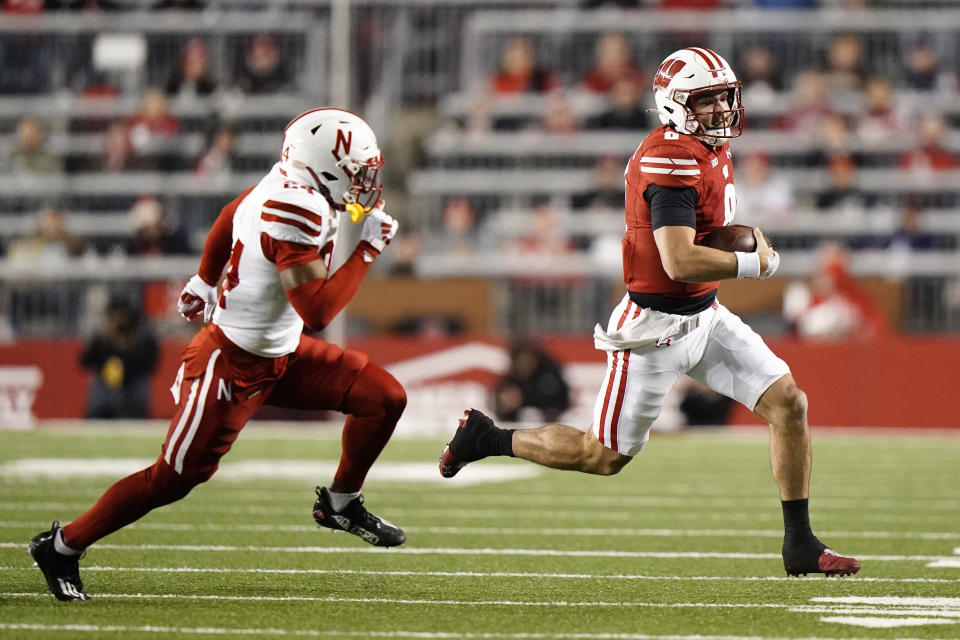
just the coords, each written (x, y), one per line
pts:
(198, 299)
(769, 259)
(378, 227)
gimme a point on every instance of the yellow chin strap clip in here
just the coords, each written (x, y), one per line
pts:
(356, 211)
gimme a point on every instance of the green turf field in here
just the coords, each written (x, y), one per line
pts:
(683, 544)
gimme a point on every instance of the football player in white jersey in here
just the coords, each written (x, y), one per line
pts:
(276, 240)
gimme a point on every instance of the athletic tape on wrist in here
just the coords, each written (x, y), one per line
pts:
(748, 264)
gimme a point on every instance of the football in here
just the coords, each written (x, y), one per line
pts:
(733, 237)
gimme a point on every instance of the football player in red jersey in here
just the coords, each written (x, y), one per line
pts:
(276, 240)
(679, 187)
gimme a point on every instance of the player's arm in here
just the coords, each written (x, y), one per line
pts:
(217, 247)
(199, 297)
(673, 216)
(674, 220)
(318, 298)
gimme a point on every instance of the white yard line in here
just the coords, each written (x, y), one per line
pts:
(945, 563)
(488, 514)
(260, 469)
(428, 635)
(423, 601)
(294, 493)
(483, 551)
(892, 601)
(589, 604)
(874, 622)
(538, 531)
(427, 472)
(493, 574)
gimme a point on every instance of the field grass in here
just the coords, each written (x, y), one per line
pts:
(683, 544)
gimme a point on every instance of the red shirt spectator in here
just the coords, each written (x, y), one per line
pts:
(930, 153)
(832, 307)
(518, 72)
(612, 64)
(152, 120)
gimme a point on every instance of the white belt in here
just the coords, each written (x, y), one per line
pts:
(682, 329)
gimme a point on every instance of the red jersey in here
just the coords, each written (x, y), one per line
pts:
(672, 159)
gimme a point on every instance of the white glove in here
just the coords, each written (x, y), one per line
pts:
(197, 299)
(378, 228)
(772, 265)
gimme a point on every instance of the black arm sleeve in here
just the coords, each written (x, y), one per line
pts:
(671, 206)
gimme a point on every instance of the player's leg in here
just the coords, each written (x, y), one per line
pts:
(738, 364)
(561, 447)
(630, 398)
(373, 404)
(57, 551)
(202, 430)
(556, 446)
(324, 376)
(784, 407)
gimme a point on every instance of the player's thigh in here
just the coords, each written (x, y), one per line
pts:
(736, 361)
(631, 396)
(208, 419)
(318, 377)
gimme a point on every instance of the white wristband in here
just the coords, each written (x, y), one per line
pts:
(748, 264)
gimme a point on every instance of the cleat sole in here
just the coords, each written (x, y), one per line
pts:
(449, 466)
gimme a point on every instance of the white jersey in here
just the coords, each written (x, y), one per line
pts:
(253, 310)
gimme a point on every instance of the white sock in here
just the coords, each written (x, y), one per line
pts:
(61, 547)
(339, 501)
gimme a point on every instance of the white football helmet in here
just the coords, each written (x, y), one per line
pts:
(336, 152)
(687, 73)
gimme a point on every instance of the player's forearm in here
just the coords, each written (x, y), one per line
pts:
(319, 301)
(701, 264)
(216, 250)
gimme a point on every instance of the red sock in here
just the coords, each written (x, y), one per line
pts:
(126, 501)
(375, 402)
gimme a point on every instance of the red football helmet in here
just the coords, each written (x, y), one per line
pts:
(690, 72)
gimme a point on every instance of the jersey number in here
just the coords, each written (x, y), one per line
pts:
(233, 273)
(729, 203)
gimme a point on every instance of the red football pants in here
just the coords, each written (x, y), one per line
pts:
(219, 387)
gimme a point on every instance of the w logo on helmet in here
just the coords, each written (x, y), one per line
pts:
(669, 68)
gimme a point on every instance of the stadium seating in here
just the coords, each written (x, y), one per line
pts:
(493, 150)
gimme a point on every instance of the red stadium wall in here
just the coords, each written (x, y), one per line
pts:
(897, 382)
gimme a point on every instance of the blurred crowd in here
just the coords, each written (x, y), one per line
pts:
(854, 108)
(849, 113)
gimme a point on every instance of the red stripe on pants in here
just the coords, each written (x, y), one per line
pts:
(615, 419)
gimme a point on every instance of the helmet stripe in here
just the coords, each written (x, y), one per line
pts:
(710, 53)
(712, 60)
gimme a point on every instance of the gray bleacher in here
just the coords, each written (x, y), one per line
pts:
(389, 59)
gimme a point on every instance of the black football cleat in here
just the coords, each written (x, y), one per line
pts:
(357, 520)
(828, 563)
(464, 447)
(62, 572)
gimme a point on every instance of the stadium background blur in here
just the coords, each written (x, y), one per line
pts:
(125, 125)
